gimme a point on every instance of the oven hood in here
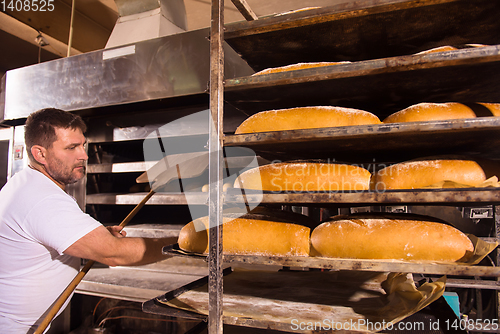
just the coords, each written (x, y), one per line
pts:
(154, 69)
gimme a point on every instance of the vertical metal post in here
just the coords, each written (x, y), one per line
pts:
(215, 289)
(496, 216)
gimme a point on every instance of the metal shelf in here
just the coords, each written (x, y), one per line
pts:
(366, 265)
(270, 300)
(465, 75)
(350, 264)
(454, 197)
(123, 167)
(194, 198)
(479, 196)
(361, 30)
(382, 141)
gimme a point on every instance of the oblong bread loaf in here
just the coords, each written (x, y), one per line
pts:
(305, 118)
(451, 48)
(426, 172)
(245, 236)
(382, 238)
(304, 176)
(422, 112)
(438, 49)
(298, 66)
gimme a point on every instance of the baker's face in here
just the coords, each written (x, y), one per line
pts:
(66, 158)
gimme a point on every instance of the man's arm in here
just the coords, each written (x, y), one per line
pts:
(111, 249)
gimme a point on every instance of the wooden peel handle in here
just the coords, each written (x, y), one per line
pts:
(78, 278)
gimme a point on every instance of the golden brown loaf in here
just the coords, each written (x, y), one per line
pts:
(494, 108)
(305, 118)
(384, 238)
(305, 176)
(422, 112)
(438, 49)
(248, 236)
(426, 172)
(299, 66)
(451, 48)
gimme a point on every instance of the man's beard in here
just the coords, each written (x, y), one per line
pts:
(62, 174)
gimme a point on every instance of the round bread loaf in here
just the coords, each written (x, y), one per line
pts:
(305, 118)
(247, 235)
(425, 172)
(422, 112)
(381, 238)
(299, 66)
(305, 176)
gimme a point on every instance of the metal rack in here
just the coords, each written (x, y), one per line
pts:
(456, 75)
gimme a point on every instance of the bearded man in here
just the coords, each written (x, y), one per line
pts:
(44, 233)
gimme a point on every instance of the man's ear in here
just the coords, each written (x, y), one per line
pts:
(39, 153)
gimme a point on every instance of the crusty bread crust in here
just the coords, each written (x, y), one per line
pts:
(305, 118)
(243, 236)
(423, 112)
(305, 176)
(298, 66)
(425, 172)
(409, 240)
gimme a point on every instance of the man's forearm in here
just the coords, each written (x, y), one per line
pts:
(140, 251)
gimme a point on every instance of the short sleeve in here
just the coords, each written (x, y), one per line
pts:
(57, 221)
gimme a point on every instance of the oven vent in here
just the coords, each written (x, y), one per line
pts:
(141, 20)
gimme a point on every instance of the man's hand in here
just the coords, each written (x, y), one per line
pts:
(117, 231)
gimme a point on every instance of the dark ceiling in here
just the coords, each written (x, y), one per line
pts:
(20, 53)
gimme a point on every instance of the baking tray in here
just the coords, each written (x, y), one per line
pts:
(450, 197)
(279, 300)
(379, 142)
(347, 264)
(157, 305)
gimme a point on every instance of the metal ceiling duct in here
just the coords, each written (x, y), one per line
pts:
(146, 19)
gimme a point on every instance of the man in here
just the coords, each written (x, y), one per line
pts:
(44, 233)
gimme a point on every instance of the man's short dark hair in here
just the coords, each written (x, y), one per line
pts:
(41, 127)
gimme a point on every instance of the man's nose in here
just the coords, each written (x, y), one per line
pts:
(83, 154)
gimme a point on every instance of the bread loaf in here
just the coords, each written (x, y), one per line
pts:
(251, 235)
(426, 172)
(299, 66)
(305, 118)
(422, 112)
(304, 176)
(451, 48)
(367, 237)
(438, 49)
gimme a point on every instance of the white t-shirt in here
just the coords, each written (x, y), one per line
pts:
(38, 222)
